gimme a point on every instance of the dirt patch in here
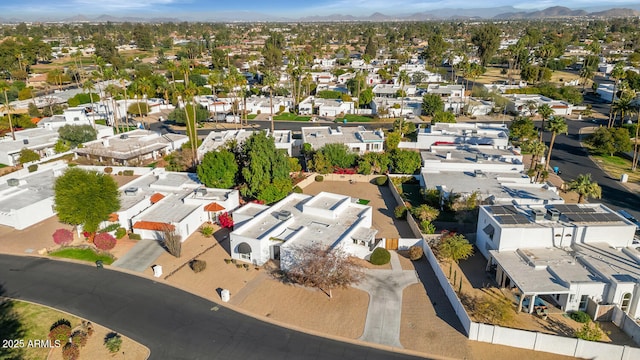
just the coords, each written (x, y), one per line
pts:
(343, 315)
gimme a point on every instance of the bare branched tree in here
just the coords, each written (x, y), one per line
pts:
(172, 240)
(318, 266)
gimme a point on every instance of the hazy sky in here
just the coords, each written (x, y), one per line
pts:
(172, 8)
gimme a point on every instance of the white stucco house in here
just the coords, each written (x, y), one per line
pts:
(133, 147)
(495, 135)
(299, 220)
(325, 107)
(573, 256)
(161, 199)
(496, 176)
(357, 139)
(27, 198)
(216, 139)
(519, 104)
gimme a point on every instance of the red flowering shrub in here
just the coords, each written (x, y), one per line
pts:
(62, 237)
(70, 351)
(225, 220)
(258, 202)
(60, 330)
(344, 171)
(80, 338)
(104, 241)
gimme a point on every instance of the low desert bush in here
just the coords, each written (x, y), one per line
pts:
(380, 256)
(381, 180)
(319, 178)
(580, 316)
(198, 265)
(415, 252)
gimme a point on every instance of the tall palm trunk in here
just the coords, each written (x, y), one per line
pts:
(271, 108)
(6, 104)
(634, 164)
(553, 139)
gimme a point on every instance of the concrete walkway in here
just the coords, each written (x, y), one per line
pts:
(385, 289)
(141, 256)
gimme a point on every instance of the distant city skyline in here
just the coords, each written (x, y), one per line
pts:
(201, 9)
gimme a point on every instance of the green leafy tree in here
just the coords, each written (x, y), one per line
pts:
(443, 117)
(617, 73)
(28, 155)
(436, 49)
(338, 155)
(4, 87)
(487, 39)
(589, 332)
(319, 163)
(521, 130)
(392, 140)
(585, 187)
(218, 169)
(432, 103)
(405, 161)
(610, 140)
(138, 108)
(179, 116)
(373, 162)
(455, 247)
(61, 146)
(545, 112)
(294, 164)
(556, 125)
(425, 212)
(85, 198)
(77, 134)
(265, 169)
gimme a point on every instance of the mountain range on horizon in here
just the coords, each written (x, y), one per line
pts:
(494, 13)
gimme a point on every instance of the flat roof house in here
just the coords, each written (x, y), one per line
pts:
(298, 220)
(27, 198)
(134, 147)
(357, 139)
(519, 104)
(162, 199)
(215, 139)
(573, 256)
(496, 135)
(40, 140)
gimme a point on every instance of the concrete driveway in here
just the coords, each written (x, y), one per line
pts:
(385, 288)
(141, 256)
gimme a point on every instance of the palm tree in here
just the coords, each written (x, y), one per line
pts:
(455, 247)
(536, 148)
(189, 93)
(617, 74)
(621, 106)
(545, 111)
(532, 106)
(112, 90)
(89, 86)
(636, 106)
(172, 68)
(4, 86)
(585, 187)
(403, 78)
(269, 79)
(142, 86)
(556, 125)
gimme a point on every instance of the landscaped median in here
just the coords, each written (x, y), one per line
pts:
(83, 253)
(41, 332)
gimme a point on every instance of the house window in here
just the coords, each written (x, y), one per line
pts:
(626, 300)
(583, 302)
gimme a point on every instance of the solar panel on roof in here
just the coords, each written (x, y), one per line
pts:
(521, 219)
(573, 209)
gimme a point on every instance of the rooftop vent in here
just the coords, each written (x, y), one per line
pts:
(131, 191)
(283, 215)
(124, 136)
(25, 141)
(478, 173)
(538, 214)
(554, 214)
(201, 192)
(13, 182)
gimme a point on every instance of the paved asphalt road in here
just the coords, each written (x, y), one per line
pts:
(172, 323)
(573, 160)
